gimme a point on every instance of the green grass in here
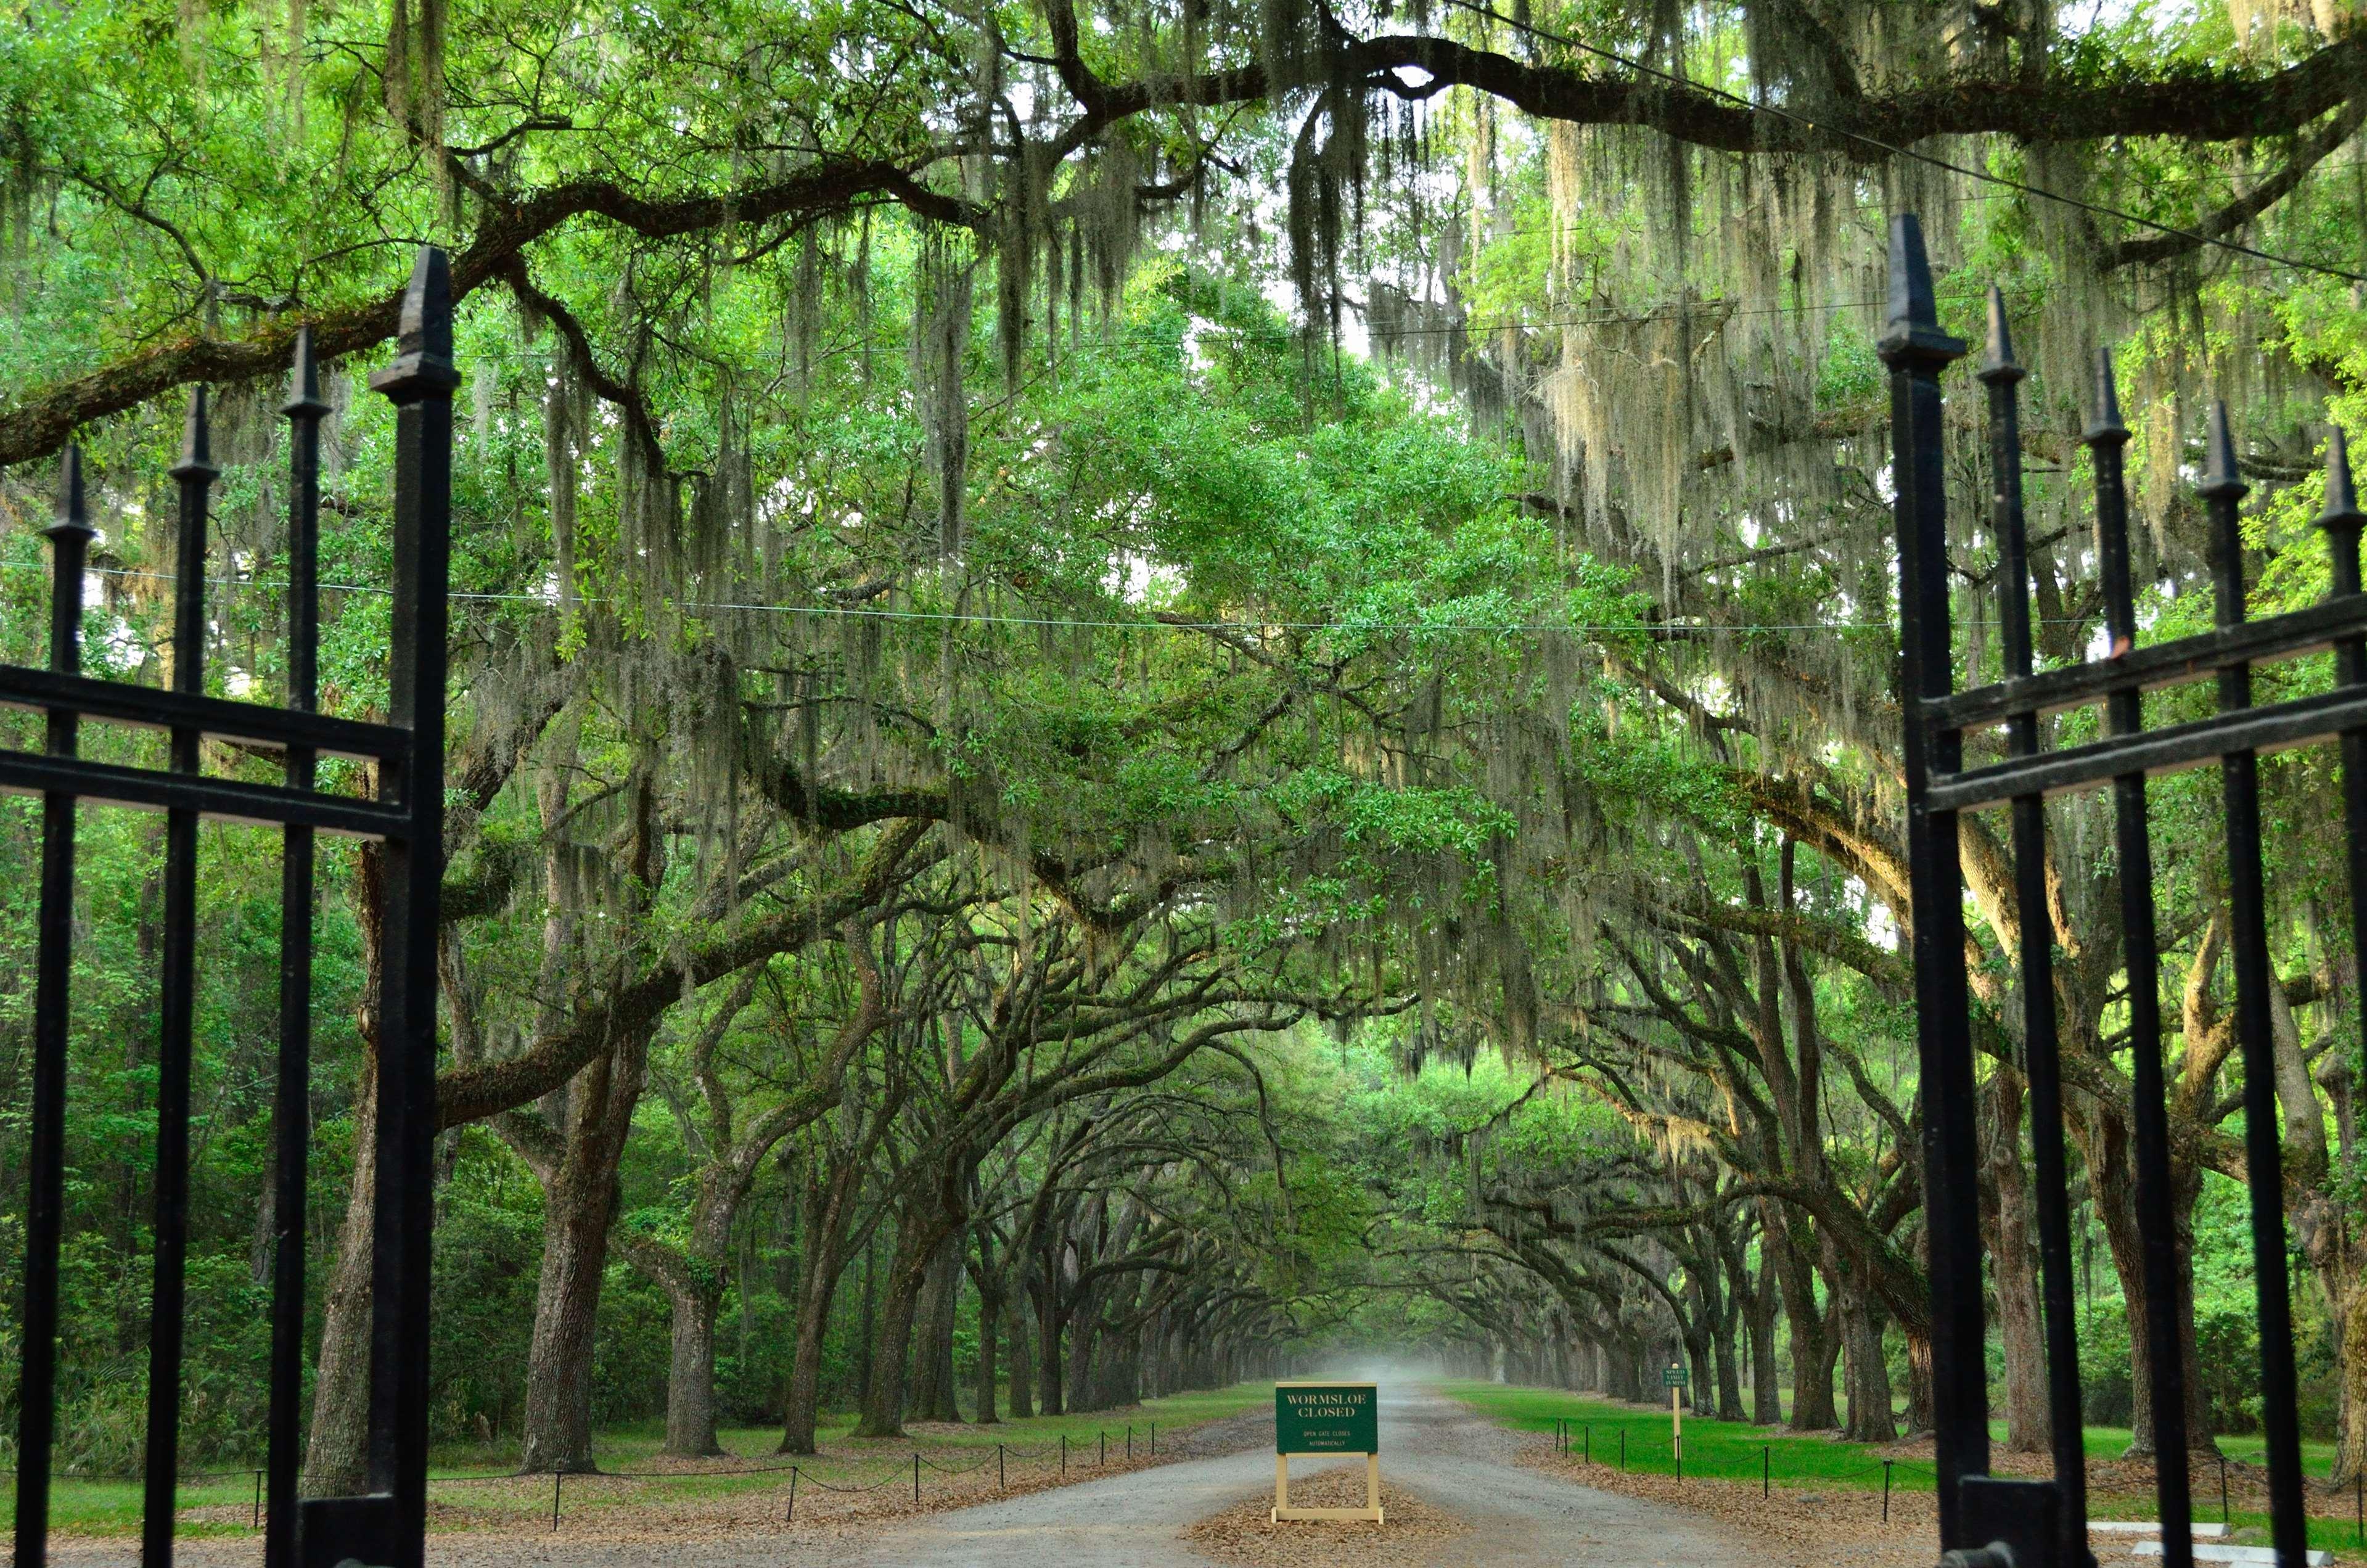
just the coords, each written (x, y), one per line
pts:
(1736, 1451)
(113, 1507)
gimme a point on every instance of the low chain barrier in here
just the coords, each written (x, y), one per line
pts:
(1572, 1436)
(1061, 1453)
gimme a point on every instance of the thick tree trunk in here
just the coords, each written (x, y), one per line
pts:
(1023, 1367)
(1813, 1349)
(2113, 1183)
(883, 1407)
(1870, 1417)
(1047, 1344)
(567, 1307)
(990, 1325)
(932, 1396)
(805, 1364)
(690, 1376)
(336, 1453)
(1766, 1395)
(2006, 1222)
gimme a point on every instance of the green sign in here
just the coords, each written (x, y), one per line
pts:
(1326, 1418)
(1674, 1378)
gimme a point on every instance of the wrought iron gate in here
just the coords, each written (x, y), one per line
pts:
(1986, 1522)
(385, 1526)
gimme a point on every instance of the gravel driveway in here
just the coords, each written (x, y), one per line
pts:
(1517, 1516)
(1429, 1445)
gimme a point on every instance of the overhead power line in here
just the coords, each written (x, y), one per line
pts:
(982, 618)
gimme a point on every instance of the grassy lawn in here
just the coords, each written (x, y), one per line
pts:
(1737, 1450)
(476, 1478)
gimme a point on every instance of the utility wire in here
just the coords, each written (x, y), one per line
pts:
(979, 618)
(2095, 208)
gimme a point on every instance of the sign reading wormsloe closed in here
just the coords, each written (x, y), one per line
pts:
(1326, 1418)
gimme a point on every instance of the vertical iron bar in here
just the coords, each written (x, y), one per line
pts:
(1915, 350)
(2248, 946)
(2041, 1064)
(2342, 520)
(2141, 959)
(419, 383)
(37, 1383)
(291, 1103)
(176, 1004)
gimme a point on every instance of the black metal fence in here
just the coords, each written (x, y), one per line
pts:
(2042, 1524)
(384, 1528)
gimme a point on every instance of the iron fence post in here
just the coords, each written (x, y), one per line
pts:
(1000, 1483)
(176, 1011)
(70, 538)
(557, 1476)
(916, 1476)
(419, 383)
(1885, 1490)
(791, 1518)
(2105, 438)
(291, 1112)
(1916, 351)
(2247, 939)
(2042, 1050)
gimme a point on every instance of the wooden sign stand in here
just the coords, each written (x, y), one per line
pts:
(1312, 1417)
(1282, 1510)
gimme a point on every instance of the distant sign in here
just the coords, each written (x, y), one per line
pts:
(1674, 1378)
(1326, 1418)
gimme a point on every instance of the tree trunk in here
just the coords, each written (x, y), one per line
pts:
(990, 1325)
(2013, 1260)
(932, 1396)
(916, 1252)
(1022, 1371)
(1870, 1417)
(690, 1376)
(566, 1311)
(1766, 1397)
(337, 1453)
(2113, 1183)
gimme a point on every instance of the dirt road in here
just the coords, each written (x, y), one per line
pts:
(1429, 1445)
(1515, 1517)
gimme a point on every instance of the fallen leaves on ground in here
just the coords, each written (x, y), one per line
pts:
(1412, 1534)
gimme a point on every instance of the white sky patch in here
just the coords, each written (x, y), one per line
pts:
(1140, 580)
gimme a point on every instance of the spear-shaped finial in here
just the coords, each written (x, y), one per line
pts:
(422, 361)
(2220, 475)
(2341, 508)
(304, 380)
(2106, 426)
(1997, 362)
(196, 441)
(1913, 333)
(74, 518)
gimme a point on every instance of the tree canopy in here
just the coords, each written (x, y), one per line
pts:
(1140, 685)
